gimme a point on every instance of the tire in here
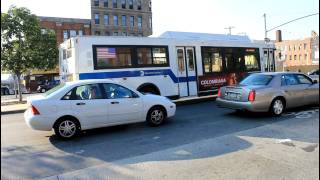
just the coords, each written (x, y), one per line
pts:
(277, 107)
(156, 116)
(43, 90)
(67, 122)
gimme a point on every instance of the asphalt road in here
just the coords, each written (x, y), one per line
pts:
(26, 153)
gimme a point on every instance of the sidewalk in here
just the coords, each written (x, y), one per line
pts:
(21, 107)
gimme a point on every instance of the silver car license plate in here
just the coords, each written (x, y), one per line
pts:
(233, 96)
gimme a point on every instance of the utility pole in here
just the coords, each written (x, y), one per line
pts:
(265, 28)
(230, 27)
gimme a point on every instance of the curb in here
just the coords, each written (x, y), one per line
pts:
(13, 112)
(178, 103)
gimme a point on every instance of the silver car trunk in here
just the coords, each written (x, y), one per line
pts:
(237, 93)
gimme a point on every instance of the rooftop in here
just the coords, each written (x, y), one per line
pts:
(65, 20)
(205, 36)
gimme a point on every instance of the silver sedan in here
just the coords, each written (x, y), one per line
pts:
(270, 92)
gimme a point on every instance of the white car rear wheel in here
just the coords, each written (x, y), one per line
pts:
(66, 128)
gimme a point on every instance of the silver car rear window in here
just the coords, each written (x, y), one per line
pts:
(257, 79)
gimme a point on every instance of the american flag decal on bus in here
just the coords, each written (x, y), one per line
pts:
(104, 53)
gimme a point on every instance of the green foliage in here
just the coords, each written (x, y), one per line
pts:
(23, 46)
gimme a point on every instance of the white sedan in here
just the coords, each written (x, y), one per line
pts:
(87, 104)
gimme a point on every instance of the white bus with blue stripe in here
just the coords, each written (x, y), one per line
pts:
(175, 65)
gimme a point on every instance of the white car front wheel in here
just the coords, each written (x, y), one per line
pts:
(156, 116)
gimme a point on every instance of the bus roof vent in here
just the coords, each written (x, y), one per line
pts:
(205, 36)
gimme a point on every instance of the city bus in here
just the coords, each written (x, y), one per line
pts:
(175, 64)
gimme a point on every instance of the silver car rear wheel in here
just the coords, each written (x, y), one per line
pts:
(277, 107)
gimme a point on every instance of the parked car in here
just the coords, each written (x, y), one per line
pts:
(47, 86)
(314, 75)
(273, 92)
(87, 104)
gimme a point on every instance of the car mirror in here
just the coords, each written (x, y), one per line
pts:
(134, 95)
(315, 81)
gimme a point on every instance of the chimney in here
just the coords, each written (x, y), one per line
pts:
(278, 36)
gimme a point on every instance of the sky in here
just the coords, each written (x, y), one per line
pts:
(204, 16)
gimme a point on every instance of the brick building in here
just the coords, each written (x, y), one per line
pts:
(297, 55)
(64, 28)
(121, 17)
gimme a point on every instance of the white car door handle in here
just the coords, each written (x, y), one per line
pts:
(81, 103)
(114, 102)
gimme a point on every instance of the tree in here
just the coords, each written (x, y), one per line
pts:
(23, 46)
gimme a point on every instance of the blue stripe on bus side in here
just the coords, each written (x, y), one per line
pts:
(119, 74)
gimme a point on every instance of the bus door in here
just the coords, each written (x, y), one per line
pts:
(186, 71)
(269, 61)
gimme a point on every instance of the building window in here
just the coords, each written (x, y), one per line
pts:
(305, 46)
(107, 33)
(96, 2)
(130, 4)
(300, 58)
(73, 33)
(123, 4)
(114, 3)
(80, 33)
(124, 34)
(306, 57)
(124, 20)
(140, 22)
(150, 22)
(131, 21)
(106, 19)
(115, 20)
(96, 18)
(290, 57)
(139, 4)
(105, 3)
(295, 57)
(115, 33)
(65, 35)
(97, 33)
(150, 6)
